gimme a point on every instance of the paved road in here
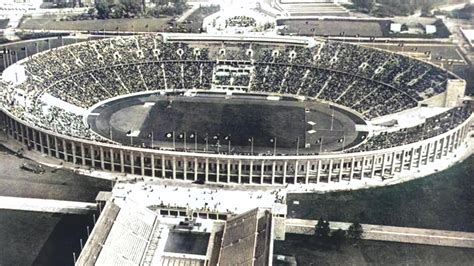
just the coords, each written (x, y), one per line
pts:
(392, 233)
(45, 205)
(57, 184)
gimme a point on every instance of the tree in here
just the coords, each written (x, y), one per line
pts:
(426, 10)
(355, 231)
(103, 10)
(364, 4)
(130, 7)
(322, 229)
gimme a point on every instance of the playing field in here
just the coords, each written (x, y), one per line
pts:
(138, 25)
(216, 122)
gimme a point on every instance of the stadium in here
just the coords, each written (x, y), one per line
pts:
(236, 110)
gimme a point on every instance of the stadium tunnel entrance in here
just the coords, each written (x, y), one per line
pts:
(240, 123)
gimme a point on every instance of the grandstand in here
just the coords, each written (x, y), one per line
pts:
(248, 235)
(310, 8)
(129, 234)
(48, 99)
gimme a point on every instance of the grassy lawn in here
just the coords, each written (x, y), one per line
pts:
(371, 253)
(197, 17)
(53, 184)
(50, 23)
(443, 200)
(23, 234)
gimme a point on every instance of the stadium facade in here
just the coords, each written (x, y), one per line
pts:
(388, 154)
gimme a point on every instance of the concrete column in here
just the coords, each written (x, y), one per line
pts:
(384, 160)
(22, 132)
(262, 166)
(420, 156)
(91, 147)
(330, 171)
(185, 168)
(152, 158)
(56, 146)
(459, 138)
(195, 168)
(15, 130)
(174, 167)
(446, 148)
(112, 160)
(48, 142)
(142, 163)
(394, 159)
(73, 148)
(452, 139)
(372, 172)
(101, 154)
(351, 175)
(318, 173)
(251, 172)
(207, 170)
(435, 150)
(273, 172)
(41, 142)
(412, 158)
(427, 153)
(65, 150)
(122, 162)
(306, 178)
(296, 172)
(163, 167)
(83, 154)
(285, 166)
(132, 162)
(341, 167)
(28, 139)
(362, 174)
(239, 172)
(217, 170)
(228, 171)
(403, 159)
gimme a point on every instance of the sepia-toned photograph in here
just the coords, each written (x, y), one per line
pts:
(236, 132)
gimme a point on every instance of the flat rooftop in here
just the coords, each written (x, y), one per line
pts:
(217, 200)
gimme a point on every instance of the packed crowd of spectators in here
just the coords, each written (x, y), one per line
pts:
(240, 21)
(370, 81)
(432, 127)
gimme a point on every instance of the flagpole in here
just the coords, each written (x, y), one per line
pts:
(195, 141)
(152, 140)
(321, 146)
(274, 146)
(184, 140)
(297, 145)
(207, 142)
(174, 142)
(251, 146)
